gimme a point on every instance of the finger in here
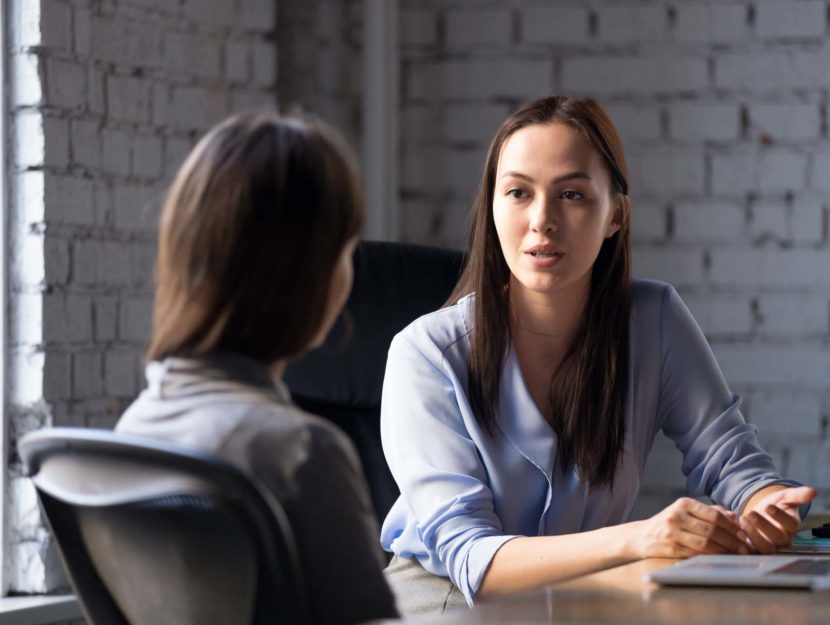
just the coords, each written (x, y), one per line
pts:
(714, 515)
(783, 518)
(796, 496)
(727, 513)
(771, 530)
(760, 543)
(700, 544)
(730, 542)
(773, 534)
(677, 550)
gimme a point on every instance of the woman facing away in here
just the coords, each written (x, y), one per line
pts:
(254, 265)
(517, 420)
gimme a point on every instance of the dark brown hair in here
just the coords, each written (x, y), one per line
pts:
(250, 232)
(589, 388)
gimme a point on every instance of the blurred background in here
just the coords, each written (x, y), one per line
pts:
(722, 106)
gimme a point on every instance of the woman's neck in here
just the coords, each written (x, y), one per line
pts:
(277, 369)
(546, 322)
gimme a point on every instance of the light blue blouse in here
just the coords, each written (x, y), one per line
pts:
(465, 493)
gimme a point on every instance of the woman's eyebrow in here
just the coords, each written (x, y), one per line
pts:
(574, 175)
(516, 174)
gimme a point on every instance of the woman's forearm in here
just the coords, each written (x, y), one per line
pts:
(529, 562)
(683, 529)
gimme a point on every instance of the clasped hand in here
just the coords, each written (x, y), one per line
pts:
(688, 527)
(773, 520)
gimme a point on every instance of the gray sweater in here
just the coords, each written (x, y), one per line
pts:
(230, 405)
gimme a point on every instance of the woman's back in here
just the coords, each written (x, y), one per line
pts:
(229, 405)
(254, 265)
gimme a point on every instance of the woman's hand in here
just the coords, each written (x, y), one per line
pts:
(688, 528)
(772, 518)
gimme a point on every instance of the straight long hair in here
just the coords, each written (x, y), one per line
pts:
(589, 388)
(250, 232)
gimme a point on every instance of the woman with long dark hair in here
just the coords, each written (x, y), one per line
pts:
(517, 420)
(254, 265)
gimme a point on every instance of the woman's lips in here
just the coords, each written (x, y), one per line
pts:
(542, 258)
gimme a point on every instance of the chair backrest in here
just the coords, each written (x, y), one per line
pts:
(153, 534)
(342, 381)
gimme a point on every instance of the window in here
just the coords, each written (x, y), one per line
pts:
(3, 299)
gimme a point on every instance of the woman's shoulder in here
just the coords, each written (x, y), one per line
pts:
(440, 329)
(226, 412)
(289, 437)
(650, 301)
(647, 293)
(281, 419)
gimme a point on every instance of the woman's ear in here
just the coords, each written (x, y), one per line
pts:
(622, 210)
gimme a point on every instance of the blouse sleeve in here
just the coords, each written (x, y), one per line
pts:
(437, 465)
(721, 454)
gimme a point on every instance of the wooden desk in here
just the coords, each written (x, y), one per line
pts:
(620, 596)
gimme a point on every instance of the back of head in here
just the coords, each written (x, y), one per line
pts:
(252, 227)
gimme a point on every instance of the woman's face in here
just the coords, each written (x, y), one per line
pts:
(339, 289)
(552, 207)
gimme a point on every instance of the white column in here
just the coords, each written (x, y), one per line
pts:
(4, 405)
(380, 119)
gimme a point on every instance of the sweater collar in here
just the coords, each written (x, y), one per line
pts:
(178, 377)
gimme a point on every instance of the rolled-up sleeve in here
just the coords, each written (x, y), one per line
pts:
(721, 454)
(437, 465)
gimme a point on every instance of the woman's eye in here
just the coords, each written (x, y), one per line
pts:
(571, 195)
(516, 194)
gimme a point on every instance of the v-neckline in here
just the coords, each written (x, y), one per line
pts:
(520, 419)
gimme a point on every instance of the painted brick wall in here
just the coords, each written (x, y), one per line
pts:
(107, 97)
(723, 110)
(320, 64)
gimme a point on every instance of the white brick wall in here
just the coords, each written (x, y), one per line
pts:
(554, 25)
(484, 27)
(632, 23)
(798, 122)
(721, 22)
(638, 122)
(702, 121)
(481, 78)
(319, 66)
(723, 110)
(617, 75)
(107, 97)
(782, 20)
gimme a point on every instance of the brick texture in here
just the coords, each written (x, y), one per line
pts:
(722, 108)
(106, 99)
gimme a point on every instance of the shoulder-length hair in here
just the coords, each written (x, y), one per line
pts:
(250, 232)
(588, 390)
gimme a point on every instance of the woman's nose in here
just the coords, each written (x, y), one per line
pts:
(542, 215)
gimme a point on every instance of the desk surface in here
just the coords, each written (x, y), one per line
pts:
(620, 596)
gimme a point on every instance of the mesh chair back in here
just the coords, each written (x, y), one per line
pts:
(152, 534)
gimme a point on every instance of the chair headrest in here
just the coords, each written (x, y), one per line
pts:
(394, 283)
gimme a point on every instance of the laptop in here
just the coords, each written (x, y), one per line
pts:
(778, 571)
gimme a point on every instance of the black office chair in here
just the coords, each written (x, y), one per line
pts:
(152, 534)
(394, 284)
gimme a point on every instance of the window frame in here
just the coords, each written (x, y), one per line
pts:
(4, 301)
